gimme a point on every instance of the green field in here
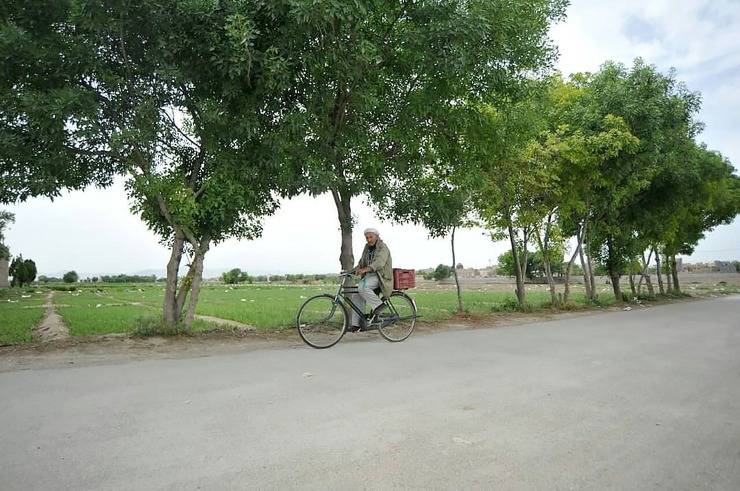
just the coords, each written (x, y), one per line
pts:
(20, 310)
(105, 309)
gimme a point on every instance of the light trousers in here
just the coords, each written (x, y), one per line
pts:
(366, 295)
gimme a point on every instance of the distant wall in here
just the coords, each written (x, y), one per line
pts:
(4, 267)
(724, 266)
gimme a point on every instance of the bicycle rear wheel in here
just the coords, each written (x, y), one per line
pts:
(322, 321)
(398, 321)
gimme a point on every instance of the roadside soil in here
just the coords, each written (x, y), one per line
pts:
(56, 348)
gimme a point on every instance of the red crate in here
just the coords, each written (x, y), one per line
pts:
(403, 279)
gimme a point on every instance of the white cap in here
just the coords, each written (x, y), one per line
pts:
(371, 230)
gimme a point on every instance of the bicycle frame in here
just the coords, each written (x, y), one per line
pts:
(322, 328)
(346, 297)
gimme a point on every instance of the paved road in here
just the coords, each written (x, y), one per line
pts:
(645, 399)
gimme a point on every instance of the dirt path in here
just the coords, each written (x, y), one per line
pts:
(226, 323)
(52, 326)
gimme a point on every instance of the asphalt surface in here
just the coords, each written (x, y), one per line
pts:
(629, 400)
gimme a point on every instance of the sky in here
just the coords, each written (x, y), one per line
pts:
(94, 233)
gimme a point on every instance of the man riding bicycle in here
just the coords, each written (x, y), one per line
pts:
(376, 268)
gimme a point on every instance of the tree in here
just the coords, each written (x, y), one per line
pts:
(382, 79)
(441, 205)
(22, 271)
(70, 277)
(659, 112)
(6, 218)
(505, 193)
(196, 102)
(696, 191)
(441, 272)
(535, 265)
(235, 276)
(182, 97)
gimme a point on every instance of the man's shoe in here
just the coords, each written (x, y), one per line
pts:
(354, 329)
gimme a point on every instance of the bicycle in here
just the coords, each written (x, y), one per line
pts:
(324, 319)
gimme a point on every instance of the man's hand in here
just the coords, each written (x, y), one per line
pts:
(361, 271)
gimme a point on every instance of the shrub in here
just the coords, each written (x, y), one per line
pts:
(441, 272)
(146, 327)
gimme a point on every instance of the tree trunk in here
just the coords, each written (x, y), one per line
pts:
(588, 274)
(197, 276)
(650, 287)
(659, 272)
(614, 273)
(460, 305)
(614, 278)
(568, 269)
(668, 273)
(674, 272)
(645, 275)
(591, 277)
(542, 243)
(633, 285)
(518, 270)
(344, 213)
(170, 307)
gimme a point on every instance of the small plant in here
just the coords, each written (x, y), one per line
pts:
(508, 304)
(146, 327)
(62, 288)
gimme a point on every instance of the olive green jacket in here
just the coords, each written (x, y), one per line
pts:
(382, 264)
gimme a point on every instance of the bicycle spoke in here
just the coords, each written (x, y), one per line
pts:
(398, 321)
(321, 321)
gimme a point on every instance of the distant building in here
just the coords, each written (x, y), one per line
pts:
(4, 269)
(724, 266)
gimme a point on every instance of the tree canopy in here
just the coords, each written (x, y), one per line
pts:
(181, 97)
(434, 112)
(384, 83)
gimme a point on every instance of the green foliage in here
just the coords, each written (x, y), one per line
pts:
(386, 86)
(535, 265)
(70, 277)
(184, 98)
(659, 111)
(236, 276)
(146, 327)
(441, 272)
(6, 218)
(49, 279)
(125, 278)
(62, 288)
(22, 271)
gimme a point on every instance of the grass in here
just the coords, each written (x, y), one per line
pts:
(17, 325)
(262, 307)
(20, 311)
(92, 320)
(137, 309)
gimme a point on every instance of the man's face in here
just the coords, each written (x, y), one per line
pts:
(371, 238)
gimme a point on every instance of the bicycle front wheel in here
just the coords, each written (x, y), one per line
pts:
(322, 321)
(399, 319)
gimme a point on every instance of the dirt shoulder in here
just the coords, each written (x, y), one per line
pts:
(115, 349)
